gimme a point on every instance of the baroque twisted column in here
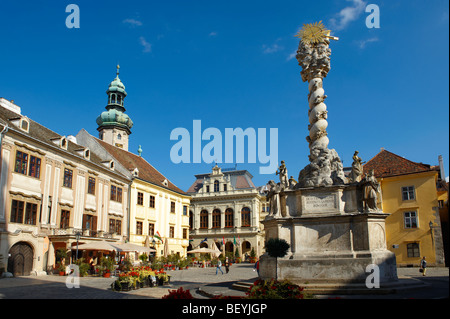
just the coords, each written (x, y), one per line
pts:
(325, 166)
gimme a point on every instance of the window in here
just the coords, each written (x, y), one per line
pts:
(410, 219)
(172, 207)
(204, 219)
(116, 194)
(229, 218)
(185, 236)
(91, 186)
(151, 229)
(191, 220)
(89, 222)
(413, 250)
(17, 211)
(172, 232)
(115, 226)
(152, 201)
(225, 188)
(245, 217)
(35, 167)
(207, 189)
(185, 210)
(65, 218)
(216, 186)
(21, 162)
(216, 218)
(140, 198)
(138, 228)
(30, 214)
(408, 193)
(68, 174)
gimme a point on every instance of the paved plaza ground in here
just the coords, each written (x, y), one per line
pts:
(202, 283)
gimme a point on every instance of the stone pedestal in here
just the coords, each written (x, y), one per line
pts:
(331, 238)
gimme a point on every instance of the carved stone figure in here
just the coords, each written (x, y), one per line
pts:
(292, 182)
(282, 171)
(274, 199)
(370, 191)
(357, 169)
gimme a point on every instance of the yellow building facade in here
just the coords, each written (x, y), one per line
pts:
(156, 210)
(409, 195)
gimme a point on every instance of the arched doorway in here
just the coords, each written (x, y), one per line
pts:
(229, 247)
(20, 262)
(246, 249)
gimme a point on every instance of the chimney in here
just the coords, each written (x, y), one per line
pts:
(441, 167)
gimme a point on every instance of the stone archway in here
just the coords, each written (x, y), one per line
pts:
(229, 247)
(246, 248)
(20, 262)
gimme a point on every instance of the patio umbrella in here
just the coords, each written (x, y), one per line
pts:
(203, 251)
(99, 245)
(217, 250)
(133, 247)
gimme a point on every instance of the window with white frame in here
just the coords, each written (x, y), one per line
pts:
(408, 193)
(410, 219)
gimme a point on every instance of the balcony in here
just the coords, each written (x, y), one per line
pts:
(70, 232)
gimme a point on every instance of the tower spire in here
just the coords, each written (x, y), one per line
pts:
(118, 69)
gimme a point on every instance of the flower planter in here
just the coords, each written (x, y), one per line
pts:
(62, 273)
(107, 275)
(122, 286)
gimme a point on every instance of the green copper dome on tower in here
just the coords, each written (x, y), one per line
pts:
(114, 116)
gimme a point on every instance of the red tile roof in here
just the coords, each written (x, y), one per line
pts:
(387, 164)
(146, 171)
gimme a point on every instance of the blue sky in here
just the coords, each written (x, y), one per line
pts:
(231, 64)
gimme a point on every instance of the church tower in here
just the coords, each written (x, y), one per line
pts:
(114, 126)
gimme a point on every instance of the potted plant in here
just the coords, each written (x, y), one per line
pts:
(61, 269)
(237, 258)
(61, 256)
(106, 266)
(252, 256)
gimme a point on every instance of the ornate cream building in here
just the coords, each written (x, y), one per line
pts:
(227, 207)
(51, 189)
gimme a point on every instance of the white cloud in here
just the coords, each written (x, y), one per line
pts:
(147, 47)
(362, 44)
(213, 34)
(132, 22)
(291, 56)
(348, 14)
(272, 48)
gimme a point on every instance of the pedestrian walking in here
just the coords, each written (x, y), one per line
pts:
(257, 266)
(219, 267)
(227, 265)
(423, 266)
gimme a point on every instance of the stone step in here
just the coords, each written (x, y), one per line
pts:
(351, 289)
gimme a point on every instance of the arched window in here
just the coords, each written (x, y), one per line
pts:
(119, 137)
(245, 217)
(191, 220)
(216, 186)
(229, 217)
(119, 100)
(216, 218)
(204, 219)
(113, 98)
